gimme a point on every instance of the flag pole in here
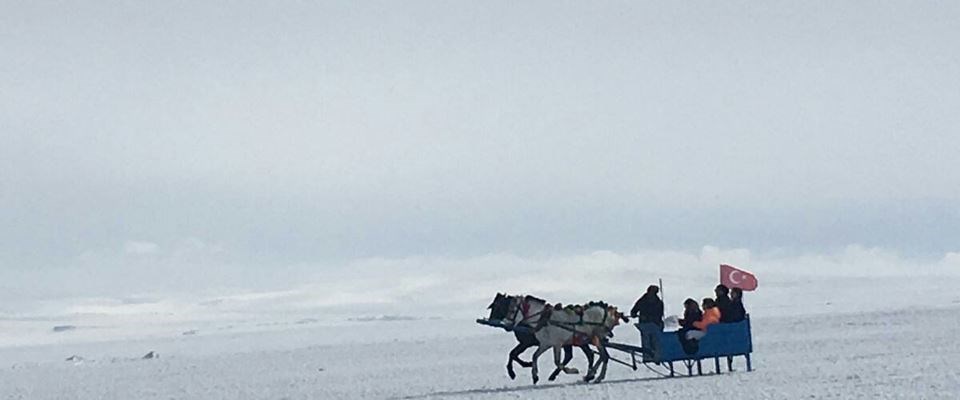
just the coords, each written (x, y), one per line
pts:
(663, 298)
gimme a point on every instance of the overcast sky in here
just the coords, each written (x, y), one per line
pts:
(298, 132)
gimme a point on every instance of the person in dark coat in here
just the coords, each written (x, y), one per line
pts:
(737, 313)
(649, 308)
(691, 314)
(723, 302)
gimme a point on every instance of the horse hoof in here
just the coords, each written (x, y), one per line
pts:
(588, 378)
(535, 380)
(511, 374)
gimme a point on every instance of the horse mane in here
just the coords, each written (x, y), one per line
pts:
(544, 318)
(597, 303)
(497, 299)
(537, 299)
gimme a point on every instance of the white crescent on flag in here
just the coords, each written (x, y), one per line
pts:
(732, 276)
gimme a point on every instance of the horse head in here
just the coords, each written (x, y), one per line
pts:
(499, 308)
(603, 317)
(524, 310)
(617, 315)
(513, 313)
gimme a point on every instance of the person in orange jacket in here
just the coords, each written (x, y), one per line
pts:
(711, 315)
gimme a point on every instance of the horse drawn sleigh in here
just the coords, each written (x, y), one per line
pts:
(538, 324)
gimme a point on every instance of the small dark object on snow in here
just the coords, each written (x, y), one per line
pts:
(74, 358)
(151, 355)
(319, 369)
(64, 328)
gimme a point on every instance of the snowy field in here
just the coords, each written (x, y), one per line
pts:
(232, 200)
(910, 352)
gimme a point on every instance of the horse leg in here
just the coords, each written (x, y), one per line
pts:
(523, 364)
(515, 356)
(536, 356)
(589, 354)
(567, 356)
(604, 359)
(559, 365)
(592, 371)
(526, 341)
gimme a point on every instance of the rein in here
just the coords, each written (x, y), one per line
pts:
(523, 306)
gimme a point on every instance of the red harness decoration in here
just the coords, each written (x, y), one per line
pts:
(580, 339)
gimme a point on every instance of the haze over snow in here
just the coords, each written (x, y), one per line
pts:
(382, 152)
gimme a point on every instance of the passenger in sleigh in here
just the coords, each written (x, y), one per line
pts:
(736, 313)
(722, 300)
(694, 330)
(711, 315)
(691, 315)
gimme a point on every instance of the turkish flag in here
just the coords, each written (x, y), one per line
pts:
(733, 277)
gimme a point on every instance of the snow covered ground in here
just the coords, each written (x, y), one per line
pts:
(908, 350)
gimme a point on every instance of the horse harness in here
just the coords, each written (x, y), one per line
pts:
(522, 308)
(571, 326)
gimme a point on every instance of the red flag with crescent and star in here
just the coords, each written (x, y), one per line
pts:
(733, 277)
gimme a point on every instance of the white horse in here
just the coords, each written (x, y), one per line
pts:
(525, 312)
(567, 326)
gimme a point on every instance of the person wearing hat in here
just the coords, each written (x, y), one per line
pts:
(649, 313)
(649, 308)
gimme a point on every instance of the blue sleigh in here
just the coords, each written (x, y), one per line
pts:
(726, 340)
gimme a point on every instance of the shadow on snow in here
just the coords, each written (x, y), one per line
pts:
(535, 387)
